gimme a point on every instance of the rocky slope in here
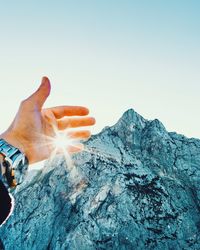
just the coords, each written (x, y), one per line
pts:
(135, 187)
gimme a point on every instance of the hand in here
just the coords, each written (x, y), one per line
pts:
(33, 126)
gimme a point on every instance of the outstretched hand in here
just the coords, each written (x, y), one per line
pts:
(33, 125)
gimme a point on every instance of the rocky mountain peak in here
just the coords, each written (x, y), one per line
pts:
(130, 118)
(135, 186)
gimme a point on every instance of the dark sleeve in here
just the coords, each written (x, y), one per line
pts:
(6, 203)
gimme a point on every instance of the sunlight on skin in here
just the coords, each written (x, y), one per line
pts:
(62, 143)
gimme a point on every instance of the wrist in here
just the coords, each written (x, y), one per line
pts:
(13, 164)
(14, 140)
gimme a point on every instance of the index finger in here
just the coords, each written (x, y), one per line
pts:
(62, 111)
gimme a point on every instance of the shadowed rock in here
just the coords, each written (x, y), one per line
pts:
(135, 187)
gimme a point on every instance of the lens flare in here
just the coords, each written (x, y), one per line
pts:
(61, 142)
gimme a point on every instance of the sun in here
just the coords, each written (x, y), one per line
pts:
(61, 141)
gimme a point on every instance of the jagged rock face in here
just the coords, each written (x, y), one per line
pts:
(135, 187)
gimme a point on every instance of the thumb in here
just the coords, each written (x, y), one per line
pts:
(39, 97)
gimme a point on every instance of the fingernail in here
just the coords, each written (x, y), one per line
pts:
(46, 83)
(44, 79)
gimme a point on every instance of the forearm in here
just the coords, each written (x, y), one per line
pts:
(12, 162)
(6, 200)
(6, 203)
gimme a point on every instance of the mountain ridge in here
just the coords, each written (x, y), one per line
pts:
(135, 186)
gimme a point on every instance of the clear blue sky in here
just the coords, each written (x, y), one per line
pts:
(109, 55)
